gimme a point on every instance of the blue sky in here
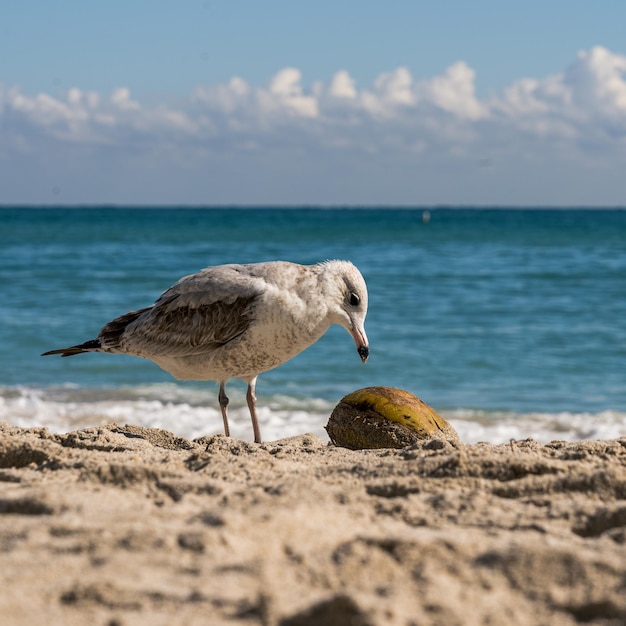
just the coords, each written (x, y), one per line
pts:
(243, 102)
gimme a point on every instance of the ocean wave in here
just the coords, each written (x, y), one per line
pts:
(187, 411)
(192, 411)
(502, 426)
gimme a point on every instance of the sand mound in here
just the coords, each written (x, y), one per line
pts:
(127, 525)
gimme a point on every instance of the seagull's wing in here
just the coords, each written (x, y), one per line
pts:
(198, 314)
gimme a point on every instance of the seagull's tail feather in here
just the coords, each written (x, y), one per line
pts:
(109, 339)
(89, 346)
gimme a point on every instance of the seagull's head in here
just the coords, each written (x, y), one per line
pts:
(348, 302)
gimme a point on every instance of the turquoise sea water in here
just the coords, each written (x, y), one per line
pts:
(511, 323)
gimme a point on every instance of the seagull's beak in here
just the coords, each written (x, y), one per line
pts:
(360, 340)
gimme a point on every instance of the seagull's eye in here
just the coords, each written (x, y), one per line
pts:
(354, 300)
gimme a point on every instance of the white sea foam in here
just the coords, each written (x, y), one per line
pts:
(502, 426)
(188, 412)
(193, 411)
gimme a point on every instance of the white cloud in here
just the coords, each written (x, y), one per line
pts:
(283, 96)
(454, 92)
(597, 79)
(591, 89)
(342, 85)
(577, 113)
(396, 87)
(585, 101)
(285, 93)
(121, 99)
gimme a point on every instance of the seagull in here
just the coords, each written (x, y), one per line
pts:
(238, 321)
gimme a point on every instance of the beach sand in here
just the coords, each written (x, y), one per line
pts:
(121, 525)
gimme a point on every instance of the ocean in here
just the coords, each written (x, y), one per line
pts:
(511, 323)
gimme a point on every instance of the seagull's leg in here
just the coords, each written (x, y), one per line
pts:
(223, 398)
(251, 398)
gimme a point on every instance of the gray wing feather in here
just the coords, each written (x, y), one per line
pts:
(198, 314)
(187, 330)
(221, 284)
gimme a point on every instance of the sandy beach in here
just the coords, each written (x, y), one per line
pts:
(121, 525)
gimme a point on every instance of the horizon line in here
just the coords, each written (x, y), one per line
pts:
(313, 206)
